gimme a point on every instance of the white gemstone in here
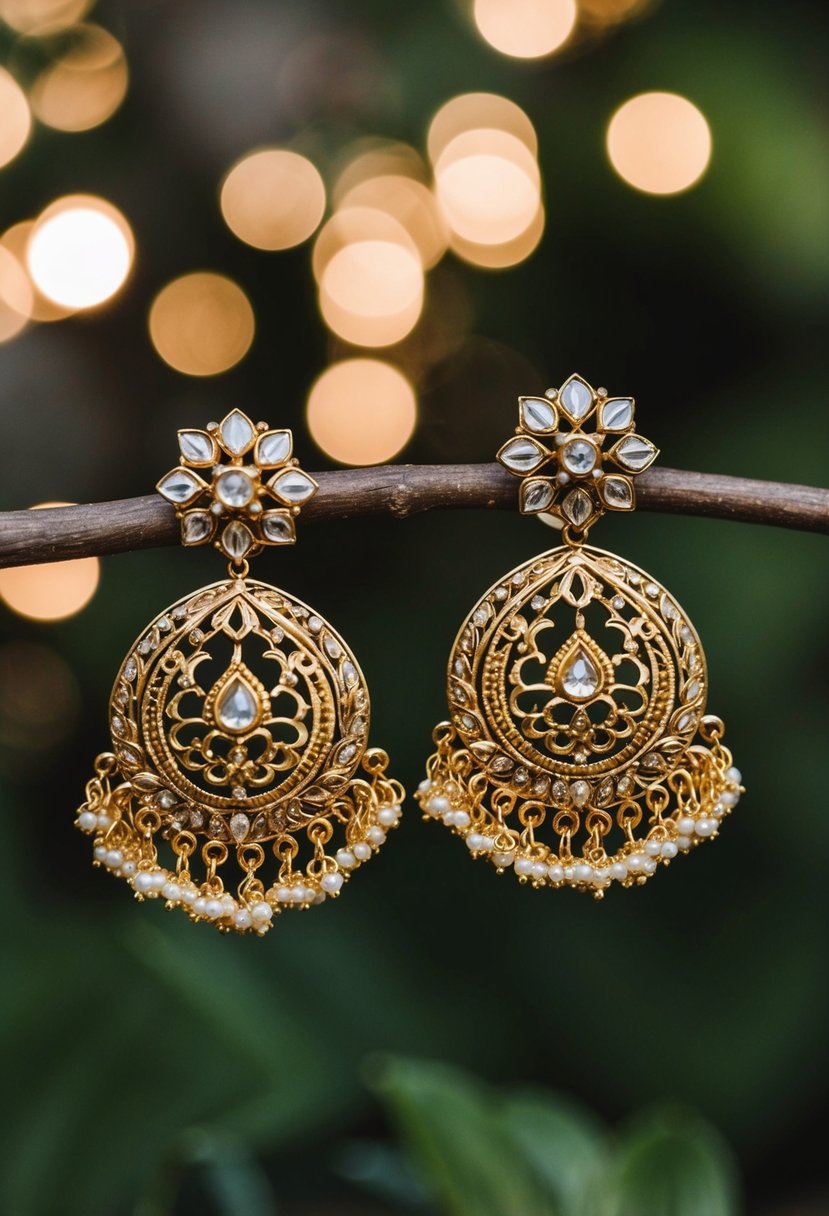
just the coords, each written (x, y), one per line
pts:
(273, 448)
(237, 432)
(577, 507)
(635, 453)
(332, 647)
(239, 826)
(197, 446)
(617, 492)
(130, 669)
(579, 457)
(237, 708)
(293, 486)
(536, 495)
(350, 674)
(234, 488)
(522, 455)
(616, 414)
(278, 527)
(577, 397)
(196, 527)
(581, 679)
(537, 414)
(236, 540)
(179, 486)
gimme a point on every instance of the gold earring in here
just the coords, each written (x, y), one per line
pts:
(577, 684)
(214, 764)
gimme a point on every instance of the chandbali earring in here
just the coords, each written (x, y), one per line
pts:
(239, 717)
(577, 684)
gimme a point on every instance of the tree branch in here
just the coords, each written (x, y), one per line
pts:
(57, 533)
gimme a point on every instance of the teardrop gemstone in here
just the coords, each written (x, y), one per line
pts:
(580, 679)
(237, 708)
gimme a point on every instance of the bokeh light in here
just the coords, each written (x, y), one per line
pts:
(504, 254)
(370, 158)
(273, 199)
(488, 186)
(85, 86)
(80, 251)
(659, 142)
(201, 324)
(370, 277)
(16, 296)
(412, 204)
(610, 12)
(37, 18)
(474, 111)
(52, 591)
(361, 411)
(525, 29)
(16, 240)
(15, 118)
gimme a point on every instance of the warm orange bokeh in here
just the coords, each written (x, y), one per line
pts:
(273, 199)
(85, 86)
(80, 251)
(15, 118)
(53, 591)
(361, 411)
(525, 29)
(201, 324)
(659, 142)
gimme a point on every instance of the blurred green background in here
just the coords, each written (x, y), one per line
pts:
(153, 1067)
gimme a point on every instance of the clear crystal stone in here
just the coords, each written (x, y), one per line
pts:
(686, 635)
(480, 616)
(687, 721)
(236, 540)
(166, 799)
(238, 707)
(196, 527)
(314, 624)
(332, 647)
(347, 753)
(350, 674)
(616, 414)
(668, 610)
(179, 486)
(239, 793)
(293, 486)
(217, 827)
(692, 691)
(652, 590)
(537, 603)
(278, 527)
(634, 453)
(577, 507)
(536, 495)
(239, 826)
(581, 679)
(617, 492)
(580, 792)
(618, 603)
(273, 448)
(579, 457)
(234, 488)
(577, 397)
(117, 724)
(130, 669)
(537, 414)
(522, 455)
(197, 446)
(237, 432)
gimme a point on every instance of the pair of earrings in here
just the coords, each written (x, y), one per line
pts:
(240, 781)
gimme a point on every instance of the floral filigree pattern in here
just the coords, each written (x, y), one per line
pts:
(577, 454)
(250, 469)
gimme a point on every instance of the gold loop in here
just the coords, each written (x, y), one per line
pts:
(238, 569)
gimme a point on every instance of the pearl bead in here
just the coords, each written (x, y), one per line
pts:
(503, 859)
(425, 785)
(188, 895)
(685, 825)
(649, 866)
(114, 858)
(539, 870)
(242, 919)
(618, 870)
(706, 827)
(200, 905)
(460, 819)
(388, 816)
(283, 894)
(261, 913)
(555, 873)
(128, 869)
(228, 905)
(171, 891)
(568, 873)
(729, 797)
(361, 850)
(376, 835)
(143, 882)
(524, 867)
(345, 859)
(100, 852)
(104, 822)
(735, 775)
(636, 862)
(297, 895)
(88, 821)
(213, 909)
(474, 841)
(669, 849)
(331, 883)
(653, 848)
(683, 842)
(159, 878)
(582, 872)
(437, 806)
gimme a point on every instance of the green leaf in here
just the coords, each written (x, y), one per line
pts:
(565, 1146)
(672, 1163)
(452, 1128)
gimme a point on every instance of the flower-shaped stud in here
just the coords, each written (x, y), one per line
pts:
(577, 452)
(233, 509)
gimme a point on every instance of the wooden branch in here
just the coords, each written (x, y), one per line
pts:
(57, 533)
